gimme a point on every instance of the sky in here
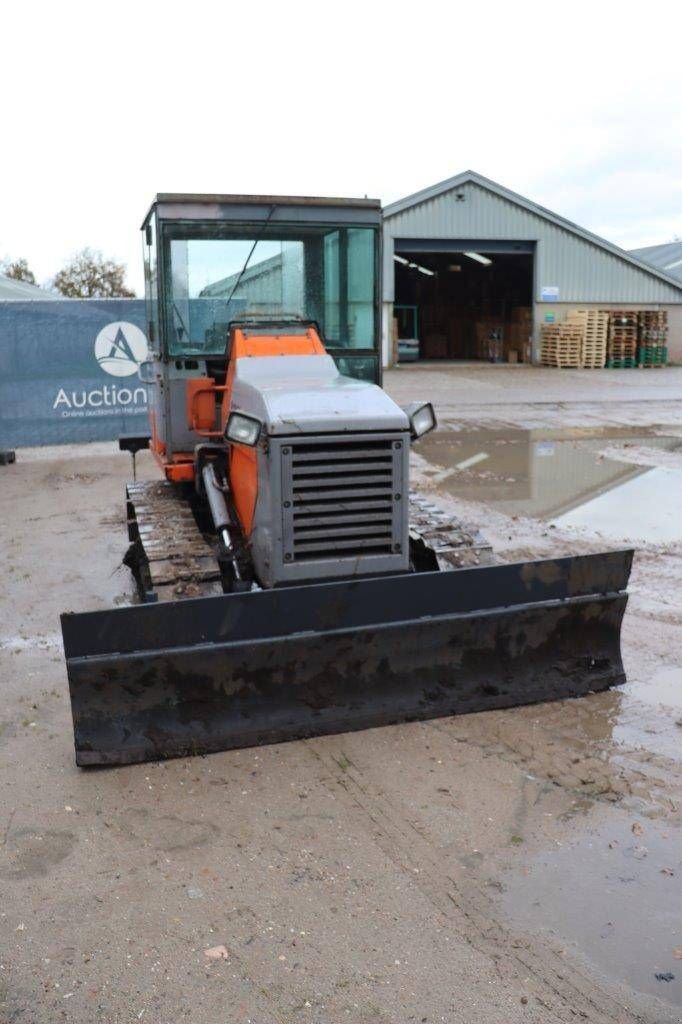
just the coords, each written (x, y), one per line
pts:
(577, 106)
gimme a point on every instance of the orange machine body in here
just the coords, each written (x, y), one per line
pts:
(208, 406)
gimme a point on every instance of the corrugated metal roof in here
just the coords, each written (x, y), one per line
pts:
(667, 257)
(402, 206)
(21, 291)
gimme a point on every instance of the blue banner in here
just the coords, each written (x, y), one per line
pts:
(68, 371)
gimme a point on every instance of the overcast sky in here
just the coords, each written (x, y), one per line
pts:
(577, 106)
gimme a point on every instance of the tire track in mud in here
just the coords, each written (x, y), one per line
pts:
(562, 988)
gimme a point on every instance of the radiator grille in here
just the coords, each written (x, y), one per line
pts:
(342, 498)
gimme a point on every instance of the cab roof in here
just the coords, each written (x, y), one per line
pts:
(176, 205)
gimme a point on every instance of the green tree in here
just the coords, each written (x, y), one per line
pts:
(18, 270)
(89, 275)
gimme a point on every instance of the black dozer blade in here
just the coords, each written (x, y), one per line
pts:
(197, 676)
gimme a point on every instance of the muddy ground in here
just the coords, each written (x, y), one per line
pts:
(521, 865)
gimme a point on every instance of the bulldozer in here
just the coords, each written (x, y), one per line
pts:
(289, 583)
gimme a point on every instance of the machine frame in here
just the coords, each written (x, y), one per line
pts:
(291, 583)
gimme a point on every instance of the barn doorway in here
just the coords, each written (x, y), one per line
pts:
(464, 299)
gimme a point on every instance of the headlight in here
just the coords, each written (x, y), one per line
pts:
(422, 418)
(242, 429)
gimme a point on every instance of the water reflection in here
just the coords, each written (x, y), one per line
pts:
(561, 479)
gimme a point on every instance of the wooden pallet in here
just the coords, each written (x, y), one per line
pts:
(627, 342)
(653, 326)
(564, 357)
(654, 317)
(561, 345)
(594, 348)
(594, 359)
(594, 320)
(563, 331)
(594, 323)
(621, 349)
(624, 318)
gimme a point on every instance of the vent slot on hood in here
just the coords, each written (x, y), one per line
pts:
(341, 498)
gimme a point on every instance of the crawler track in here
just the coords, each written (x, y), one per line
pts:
(454, 544)
(172, 559)
(169, 555)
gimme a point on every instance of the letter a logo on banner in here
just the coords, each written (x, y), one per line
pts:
(120, 347)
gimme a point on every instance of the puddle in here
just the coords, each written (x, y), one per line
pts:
(565, 478)
(562, 478)
(613, 898)
(651, 715)
(665, 688)
(624, 511)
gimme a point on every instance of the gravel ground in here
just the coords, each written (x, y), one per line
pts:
(519, 865)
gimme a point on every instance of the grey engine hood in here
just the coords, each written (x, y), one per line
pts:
(307, 394)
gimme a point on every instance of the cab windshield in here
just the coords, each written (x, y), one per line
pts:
(317, 273)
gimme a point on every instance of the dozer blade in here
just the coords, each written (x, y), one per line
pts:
(196, 676)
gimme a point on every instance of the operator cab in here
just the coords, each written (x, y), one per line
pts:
(213, 259)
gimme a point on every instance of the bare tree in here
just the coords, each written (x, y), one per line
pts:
(18, 270)
(89, 275)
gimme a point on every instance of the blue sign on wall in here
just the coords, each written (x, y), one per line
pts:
(68, 371)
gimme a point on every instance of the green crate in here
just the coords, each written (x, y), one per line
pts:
(652, 355)
(624, 363)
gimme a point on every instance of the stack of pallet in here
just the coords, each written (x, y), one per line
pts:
(653, 336)
(622, 346)
(562, 345)
(595, 325)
